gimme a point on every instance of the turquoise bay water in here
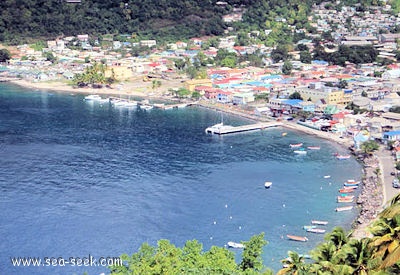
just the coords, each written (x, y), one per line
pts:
(79, 179)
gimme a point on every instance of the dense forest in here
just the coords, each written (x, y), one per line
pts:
(164, 20)
(22, 20)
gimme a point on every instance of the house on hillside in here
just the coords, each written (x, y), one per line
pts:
(243, 98)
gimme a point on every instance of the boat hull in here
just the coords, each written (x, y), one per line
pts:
(297, 238)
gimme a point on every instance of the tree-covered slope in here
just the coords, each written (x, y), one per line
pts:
(49, 18)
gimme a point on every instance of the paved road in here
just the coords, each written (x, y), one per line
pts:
(386, 162)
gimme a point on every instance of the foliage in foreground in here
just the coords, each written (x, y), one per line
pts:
(339, 254)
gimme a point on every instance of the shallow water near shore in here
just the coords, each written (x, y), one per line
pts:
(80, 178)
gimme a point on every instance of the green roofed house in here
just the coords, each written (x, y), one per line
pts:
(331, 110)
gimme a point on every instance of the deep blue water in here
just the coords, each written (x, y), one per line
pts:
(79, 178)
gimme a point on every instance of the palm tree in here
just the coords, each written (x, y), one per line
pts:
(338, 237)
(358, 254)
(294, 264)
(386, 233)
(327, 260)
(393, 210)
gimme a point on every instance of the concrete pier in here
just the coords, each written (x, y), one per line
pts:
(227, 129)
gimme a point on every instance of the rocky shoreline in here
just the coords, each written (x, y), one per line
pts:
(371, 197)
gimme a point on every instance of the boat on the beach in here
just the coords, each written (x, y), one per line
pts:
(316, 230)
(345, 199)
(350, 187)
(353, 181)
(346, 190)
(346, 184)
(344, 208)
(235, 245)
(346, 195)
(297, 238)
(267, 184)
(319, 222)
(297, 145)
(314, 147)
(342, 157)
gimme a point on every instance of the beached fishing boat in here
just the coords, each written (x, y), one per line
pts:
(297, 238)
(344, 208)
(314, 147)
(345, 199)
(297, 145)
(319, 222)
(316, 230)
(350, 184)
(346, 190)
(267, 184)
(235, 245)
(346, 195)
(350, 187)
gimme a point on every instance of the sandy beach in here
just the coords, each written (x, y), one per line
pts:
(134, 87)
(377, 186)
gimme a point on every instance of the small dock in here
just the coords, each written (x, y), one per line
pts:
(245, 128)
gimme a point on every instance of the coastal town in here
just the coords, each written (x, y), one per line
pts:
(349, 103)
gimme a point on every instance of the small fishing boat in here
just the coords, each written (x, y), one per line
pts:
(327, 177)
(297, 145)
(267, 184)
(300, 152)
(350, 184)
(346, 190)
(92, 97)
(235, 245)
(316, 230)
(344, 208)
(297, 238)
(342, 157)
(350, 187)
(314, 147)
(344, 199)
(346, 195)
(284, 134)
(319, 222)
(306, 227)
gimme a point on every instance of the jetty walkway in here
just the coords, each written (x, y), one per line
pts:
(227, 129)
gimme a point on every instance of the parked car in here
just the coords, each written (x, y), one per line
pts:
(396, 183)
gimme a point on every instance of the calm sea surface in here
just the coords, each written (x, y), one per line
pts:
(80, 178)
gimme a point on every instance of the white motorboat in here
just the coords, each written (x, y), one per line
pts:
(267, 184)
(235, 245)
(92, 97)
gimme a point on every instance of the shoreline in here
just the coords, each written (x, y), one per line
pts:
(371, 181)
(371, 199)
